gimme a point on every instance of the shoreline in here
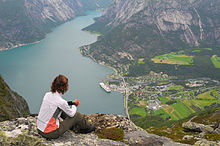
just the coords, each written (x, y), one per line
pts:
(115, 72)
(20, 45)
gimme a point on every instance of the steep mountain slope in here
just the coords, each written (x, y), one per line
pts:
(11, 104)
(145, 28)
(26, 21)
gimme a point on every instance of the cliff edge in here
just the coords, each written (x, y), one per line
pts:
(12, 105)
(22, 131)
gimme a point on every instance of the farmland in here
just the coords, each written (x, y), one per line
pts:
(141, 61)
(216, 61)
(173, 101)
(174, 58)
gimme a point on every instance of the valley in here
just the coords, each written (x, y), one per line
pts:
(166, 60)
(165, 54)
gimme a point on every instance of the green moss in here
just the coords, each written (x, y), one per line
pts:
(175, 132)
(112, 133)
(212, 136)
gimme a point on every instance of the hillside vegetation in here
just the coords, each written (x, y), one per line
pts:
(152, 29)
(24, 21)
(11, 104)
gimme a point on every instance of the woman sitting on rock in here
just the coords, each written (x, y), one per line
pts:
(54, 106)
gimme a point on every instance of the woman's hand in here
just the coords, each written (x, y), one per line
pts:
(77, 102)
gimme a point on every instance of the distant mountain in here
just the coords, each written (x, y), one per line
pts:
(27, 21)
(11, 104)
(145, 28)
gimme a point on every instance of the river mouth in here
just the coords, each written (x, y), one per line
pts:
(30, 69)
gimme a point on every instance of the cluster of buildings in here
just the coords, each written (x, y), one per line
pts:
(154, 104)
(196, 83)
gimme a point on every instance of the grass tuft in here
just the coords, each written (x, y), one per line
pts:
(115, 134)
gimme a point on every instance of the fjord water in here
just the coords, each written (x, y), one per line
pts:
(30, 69)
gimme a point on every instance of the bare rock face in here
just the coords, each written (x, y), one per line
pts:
(122, 10)
(143, 28)
(22, 131)
(54, 11)
(169, 16)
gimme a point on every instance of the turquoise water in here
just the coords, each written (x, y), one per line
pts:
(30, 69)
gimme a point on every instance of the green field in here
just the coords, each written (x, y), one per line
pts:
(138, 110)
(143, 103)
(209, 49)
(174, 58)
(216, 61)
(163, 83)
(163, 99)
(169, 110)
(203, 103)
(189, 105)
(141, 61)
(181, 109)
(162, 113)
(195, 51)
(177, 115)
(206, 95)
(177, 87)
(184, 108)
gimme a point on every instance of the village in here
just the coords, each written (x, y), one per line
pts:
(159, 94)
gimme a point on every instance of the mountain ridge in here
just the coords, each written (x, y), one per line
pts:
(24, 22)
(157, 26)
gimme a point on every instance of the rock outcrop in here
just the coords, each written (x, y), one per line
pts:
(205, 131)
(11, 104)
(27, 21)
(22, 131)
(206, 143)
(192, 126)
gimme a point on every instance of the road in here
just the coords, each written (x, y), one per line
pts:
(126, 98)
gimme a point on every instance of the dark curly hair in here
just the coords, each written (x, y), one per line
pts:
(60, 84)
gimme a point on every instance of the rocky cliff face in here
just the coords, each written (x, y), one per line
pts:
(143, 28)
(11, 104)
(28, 21)
(22, 131)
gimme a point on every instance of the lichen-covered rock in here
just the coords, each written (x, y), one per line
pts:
(22, 131)
(194, 127)
(187, 137)
(204, 142)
